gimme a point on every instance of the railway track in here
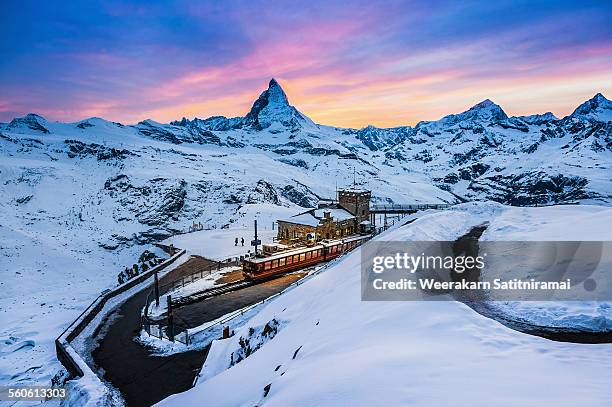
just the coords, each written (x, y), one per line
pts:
(227, 288)
(213, 292)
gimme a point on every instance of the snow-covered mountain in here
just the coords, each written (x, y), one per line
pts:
(80, 200)
(597, 109)
(525, 160)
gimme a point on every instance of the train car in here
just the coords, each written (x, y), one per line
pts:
(296, 259)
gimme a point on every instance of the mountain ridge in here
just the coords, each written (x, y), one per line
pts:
(272, 106)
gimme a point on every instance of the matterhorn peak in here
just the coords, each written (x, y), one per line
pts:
(273, 106)
(276, 93)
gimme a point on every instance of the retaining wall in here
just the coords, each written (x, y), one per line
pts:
(67, 355)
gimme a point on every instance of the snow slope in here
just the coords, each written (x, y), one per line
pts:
(588, 223)
(324, 346)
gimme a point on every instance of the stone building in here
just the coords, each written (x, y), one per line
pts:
(348, 216)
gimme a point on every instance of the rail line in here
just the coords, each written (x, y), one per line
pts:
(213, 292)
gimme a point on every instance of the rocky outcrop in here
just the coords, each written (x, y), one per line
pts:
(77, 149)
(264, 192)
(30, 121)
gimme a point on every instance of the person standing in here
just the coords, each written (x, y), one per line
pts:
(242, 241)
(236, 242)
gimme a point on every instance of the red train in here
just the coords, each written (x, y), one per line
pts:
(295, 259)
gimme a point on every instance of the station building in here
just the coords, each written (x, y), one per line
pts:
(331, 220)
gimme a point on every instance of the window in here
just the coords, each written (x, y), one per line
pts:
(274, 264)
(281, 262)
(289, 260)
(308, 255)
(267, 267)
(296, 258)
(302, 256)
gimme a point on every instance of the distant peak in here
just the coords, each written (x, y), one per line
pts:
(599, 98)
(485, 104)
(485, 110)
(31, 121)
(34, 116)
(594, 108)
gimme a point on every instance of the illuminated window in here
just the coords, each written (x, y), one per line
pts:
(302, 256)
(296, 258)
(308, 256)
(275, 264)
(267, 265)
(281, 262)
(289, 260)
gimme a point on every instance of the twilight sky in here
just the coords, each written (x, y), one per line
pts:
(345, 63)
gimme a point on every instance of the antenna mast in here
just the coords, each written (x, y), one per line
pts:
(336, 198)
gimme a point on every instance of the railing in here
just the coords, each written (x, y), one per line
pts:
(68, 356)
(405, 207)
(158, 328)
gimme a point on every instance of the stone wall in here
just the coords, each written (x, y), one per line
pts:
(356, 202)
(288, 231)
(293, 233)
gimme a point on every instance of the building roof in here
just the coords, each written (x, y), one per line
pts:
(354, 190)
(305, 218)
(314, 216)
(338, 214)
